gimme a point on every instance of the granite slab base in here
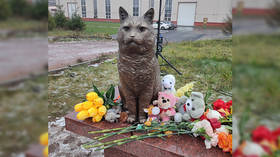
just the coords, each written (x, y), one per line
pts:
(175, 146)
(35, 151)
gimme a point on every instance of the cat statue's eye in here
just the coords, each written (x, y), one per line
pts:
(142, 29)
(126, 28)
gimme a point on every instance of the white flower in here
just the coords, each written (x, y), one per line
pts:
(203, 124)
(213, 114)
(252, 148)
(222, 129)
(211, 143)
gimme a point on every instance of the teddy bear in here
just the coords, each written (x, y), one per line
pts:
(113, 114)
(168, 84)
(166, 103)
(193, 108)
(153, 113)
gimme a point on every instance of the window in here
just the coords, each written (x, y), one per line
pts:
(108, 9)
(135, 7)
(84, 11)
(52, 2)
(151, 4)
(95, 9)
(168, 9)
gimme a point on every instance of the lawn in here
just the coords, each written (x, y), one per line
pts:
(20, 24)
(96, 29)
(207, 63)
(256, 78)
(24, 111)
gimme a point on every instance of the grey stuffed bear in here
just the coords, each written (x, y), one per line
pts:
(188, 108)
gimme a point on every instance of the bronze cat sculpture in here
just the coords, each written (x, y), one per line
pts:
(138, 67)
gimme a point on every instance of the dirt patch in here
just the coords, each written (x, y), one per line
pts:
(63, 54)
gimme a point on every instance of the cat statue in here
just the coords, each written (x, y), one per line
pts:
(138, 66)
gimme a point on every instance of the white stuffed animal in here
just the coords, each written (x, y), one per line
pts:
(193, 108)
(168, 84)
(113, 114)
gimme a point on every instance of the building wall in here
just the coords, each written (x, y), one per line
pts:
(215, 10)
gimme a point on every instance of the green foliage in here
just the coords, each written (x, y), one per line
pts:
(39, 10)
(5, 10)
(76, 23)
(60, 19)
(51, 22)
(108, 96)
(19, 7)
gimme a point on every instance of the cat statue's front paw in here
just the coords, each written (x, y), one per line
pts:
(131, 119)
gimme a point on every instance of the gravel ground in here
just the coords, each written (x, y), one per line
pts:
(63, 143)
(20, 57)
(62, 54)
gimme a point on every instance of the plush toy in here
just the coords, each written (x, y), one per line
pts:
(193, 108)
(168, 84)
(166, 102)
(113, 114)
(153, 113)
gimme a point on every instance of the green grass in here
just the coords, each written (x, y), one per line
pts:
(207, 63)
(98, 29)
(256, 77)
(20, 24)
(23, 117)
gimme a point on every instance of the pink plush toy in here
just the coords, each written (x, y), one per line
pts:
(166, 103)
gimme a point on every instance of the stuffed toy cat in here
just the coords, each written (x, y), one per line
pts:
(153, 113)
(168, 84)
(193, 108)
(166, 102)
(138, 66)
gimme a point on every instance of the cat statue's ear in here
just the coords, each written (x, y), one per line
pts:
(123, 14)
(149, 15)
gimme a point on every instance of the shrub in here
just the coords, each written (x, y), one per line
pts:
(60, 19)
(39, 10)
(5, 10)
(227, 29)
(76, 23)
(19, 7)
(273, 18)
(51, 22)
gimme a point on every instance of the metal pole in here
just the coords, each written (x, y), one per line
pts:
(158, 34)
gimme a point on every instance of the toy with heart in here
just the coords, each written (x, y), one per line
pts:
(166, 102)
(193, 108)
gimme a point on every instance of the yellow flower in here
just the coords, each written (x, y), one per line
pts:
(87, 105)
(168, 133)
(98, 102)
(91, 96)
(78, 107)
(179, 93)
(46, 151)
(92, 111)
(83, 115)
(102, 110)
(148, 123)
(44, 139)
(96, 118)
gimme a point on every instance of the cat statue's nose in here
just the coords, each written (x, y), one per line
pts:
(132, 36)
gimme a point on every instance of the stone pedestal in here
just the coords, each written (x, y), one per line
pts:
(35, 151)
(175, 146)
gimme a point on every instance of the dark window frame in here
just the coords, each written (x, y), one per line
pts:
(168, 10)
(108, 9)
(136, 7)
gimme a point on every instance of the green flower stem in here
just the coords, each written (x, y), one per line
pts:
(109, 130)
